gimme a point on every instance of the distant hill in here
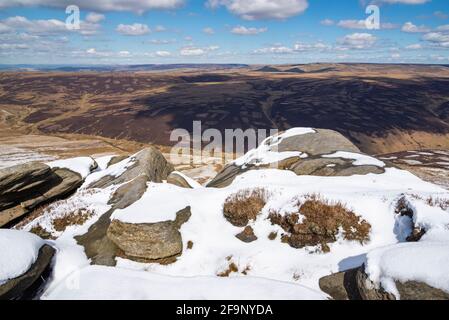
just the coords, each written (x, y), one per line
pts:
(295, 70)
(380, 108)
(268, 69)
(123, 68)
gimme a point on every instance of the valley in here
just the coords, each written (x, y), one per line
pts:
(380, 108)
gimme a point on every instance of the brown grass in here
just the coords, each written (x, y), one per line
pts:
(232, 268)
(272, 236)
(438, 202)
(321, 224)
(246, 270)
(76, 218)
(36, 213)
(244, 206)
(41, 232)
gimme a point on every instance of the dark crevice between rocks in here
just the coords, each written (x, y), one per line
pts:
(405, 214)
(96, 244)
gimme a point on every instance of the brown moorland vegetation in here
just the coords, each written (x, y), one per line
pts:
(319, 222)
(244, 206)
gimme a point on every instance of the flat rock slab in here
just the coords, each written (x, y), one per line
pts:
(146, 241)
(331, 167)
(18, 180)
(315, 145)
(149, 242)
(323, 141)
(149, 162)
(25, 187)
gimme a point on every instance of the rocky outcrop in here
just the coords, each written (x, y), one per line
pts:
(179, 180)
(149, 242)
(16, 288)
(323, 141)
(98, 247)
(149, 162)
(149, 166)
(341, 286)
(355, 284)
(328, 167)
(115, 160)
(129, 193)
(225, 177)
(27, 186)
(315, 145)
(247, 235)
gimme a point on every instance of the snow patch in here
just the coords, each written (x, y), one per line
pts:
(360, 159)
(115, 170)
(103, 162)
(81, 165)
(19, 250)
(267, 152)
(160, 202)
(422, 262)
(12, 156)
(106, 283)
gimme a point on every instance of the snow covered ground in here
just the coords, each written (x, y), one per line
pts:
(81, 165)
(359, 159)
(373, 197)
(266, 268)
(11, 156)
(267, 152)
(105, 283)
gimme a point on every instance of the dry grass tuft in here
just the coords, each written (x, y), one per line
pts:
(438, 202)
(77, 218)
(232, 268)
(272, 236)
(319, 222)
(403, 208)
(246, 270)
(244, 206)
(41, 232)
(36, 213)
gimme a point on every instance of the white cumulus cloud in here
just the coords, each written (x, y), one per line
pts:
(136, 29)
(137, 6)
(241, 30)
(262, 9)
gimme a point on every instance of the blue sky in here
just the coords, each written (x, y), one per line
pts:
(223, 31)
